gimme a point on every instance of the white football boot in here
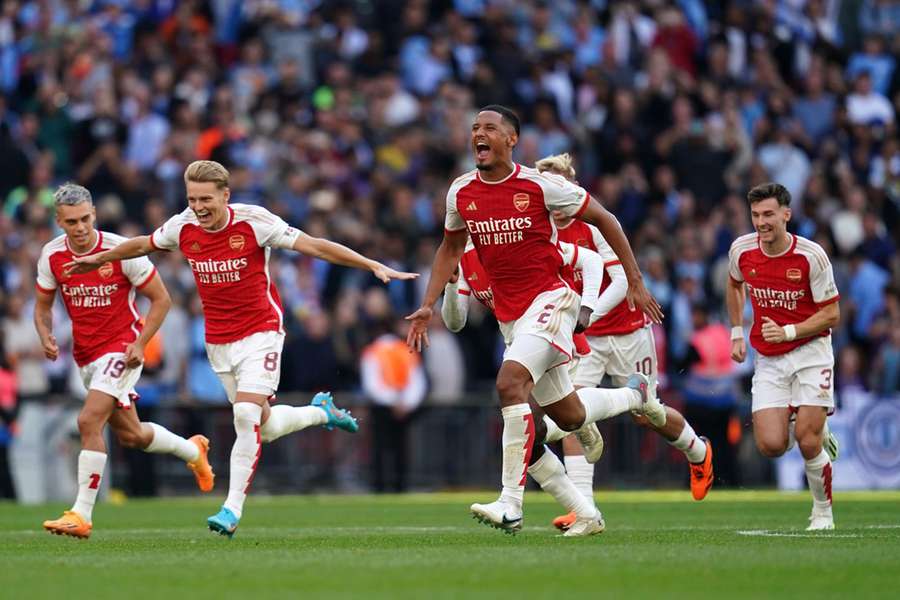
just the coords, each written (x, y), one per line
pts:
(651, 408)
(591, 441)
(830, 443)
(821, 520)
(585, 526)
(498, 515)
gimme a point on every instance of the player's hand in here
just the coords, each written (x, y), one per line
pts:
(772, 332)
(134, 355)
(584, 319)
(738, 350)
(51, 350)
(418, 329)
(83, 264)
(639, 296)
(385, 274)
(454, 276)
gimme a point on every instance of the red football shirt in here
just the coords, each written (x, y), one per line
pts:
(788, 288)
(510, 226)
(621, 320)
(100, 303)
(231, 268)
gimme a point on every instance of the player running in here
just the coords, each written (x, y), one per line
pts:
(543, 465)
(795, 305)
(505, 208)
(109, 340)
(620, 344)
(227, 247)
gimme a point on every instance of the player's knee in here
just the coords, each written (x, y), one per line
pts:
(511, 390)
(810, 446)
(88, 423)
(130, 439)
(770, 447)
(570, 420)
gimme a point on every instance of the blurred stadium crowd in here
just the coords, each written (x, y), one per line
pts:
(350, 119)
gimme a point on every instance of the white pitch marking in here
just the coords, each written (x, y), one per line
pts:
(767, 533)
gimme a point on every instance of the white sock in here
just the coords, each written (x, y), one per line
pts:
(518, 437)
(287, 419)
(551, 476)
(244, 454)
(818, 474)
(688, 442)
(602, 404)
(581, 472)
(90, 471)
(554, 433)
(166, 442)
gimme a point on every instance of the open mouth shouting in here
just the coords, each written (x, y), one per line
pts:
(204, 216)
(482, 151)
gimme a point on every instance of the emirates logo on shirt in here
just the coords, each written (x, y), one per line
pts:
(521, 201)
(106, 270)
(236, 242)
(794, 275)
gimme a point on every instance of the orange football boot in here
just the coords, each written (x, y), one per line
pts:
(203, 472)
(71, 523)
(702, 473)
(564, 522)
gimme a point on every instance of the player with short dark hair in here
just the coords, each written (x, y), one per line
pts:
(505, 208)
(795, 305)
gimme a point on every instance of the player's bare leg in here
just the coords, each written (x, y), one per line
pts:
(697, 449)
(154, 438)
(770, 429)
(96, 411)
(809, 432)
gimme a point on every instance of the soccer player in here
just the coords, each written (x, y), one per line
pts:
(545, 468)
(620, 343)
(505, 208)
(109, 340)
(795, 305)
(227, 247)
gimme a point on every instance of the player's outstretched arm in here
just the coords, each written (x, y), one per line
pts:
(43, 322)
(160, 302)
(735, 300)
(455, 307)
(133, 248)
(342, 255)
(445, 261)
(609, 227)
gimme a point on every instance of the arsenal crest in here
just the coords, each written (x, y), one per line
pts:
(105, 270)
(581, 242)
(521, 201)
(794, 275)
(236, 242)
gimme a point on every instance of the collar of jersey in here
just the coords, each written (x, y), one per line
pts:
(787, 251)
(94, 247)
(227, 225)
(516, 168)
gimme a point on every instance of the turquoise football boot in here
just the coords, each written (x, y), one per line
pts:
(224, 522)
(342, 419)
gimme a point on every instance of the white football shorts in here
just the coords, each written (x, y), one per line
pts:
(802, 377)
(541, 341)
(108, 374)
(620, 357)
(251, 365)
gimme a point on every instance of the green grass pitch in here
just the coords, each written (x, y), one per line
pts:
(657, 545)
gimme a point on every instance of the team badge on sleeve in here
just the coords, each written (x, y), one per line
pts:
(521, 201)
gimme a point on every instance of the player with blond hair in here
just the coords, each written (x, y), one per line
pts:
(109, 340)
(620, 343)
(228, 247)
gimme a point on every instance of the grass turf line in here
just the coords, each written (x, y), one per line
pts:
(735, 544)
